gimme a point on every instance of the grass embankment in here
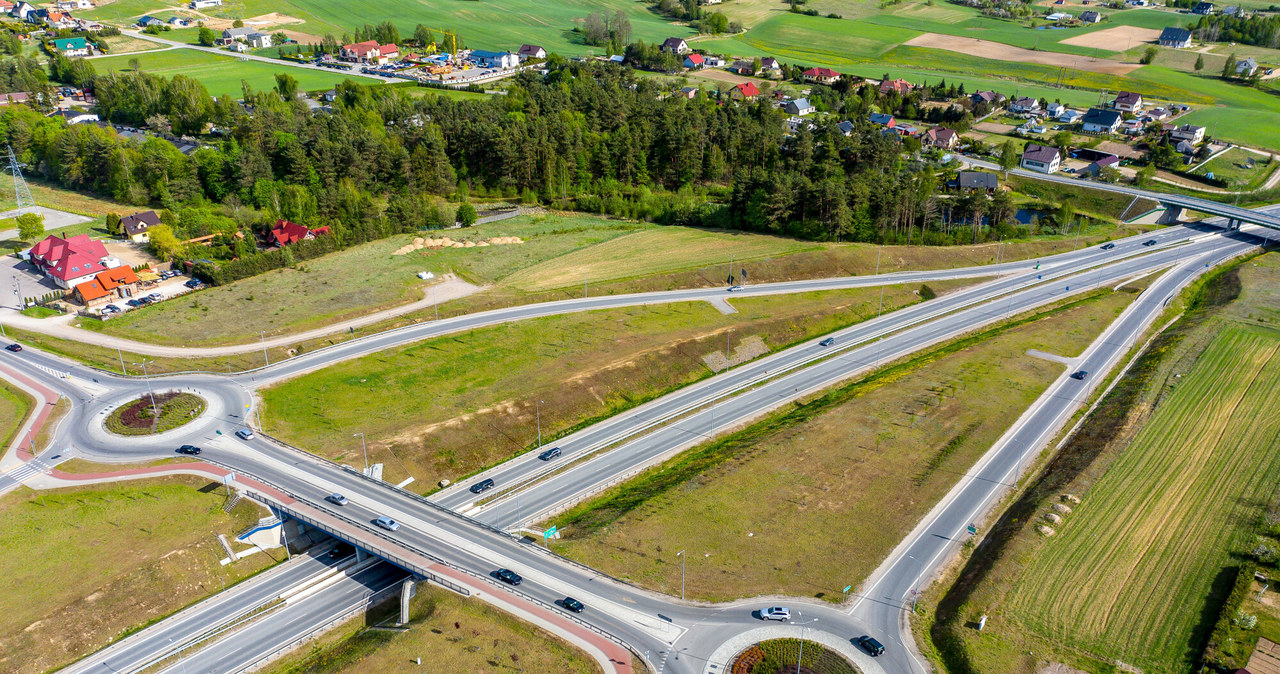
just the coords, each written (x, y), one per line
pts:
(785, 505)
(1174, 469)
(85, 565)
(15, 405)
(150, 414)
(446, 407)
(468, 634)
(222, 75)
(1234, 167)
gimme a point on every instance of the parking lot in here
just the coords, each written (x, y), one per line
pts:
(167, 290)
(19, 279)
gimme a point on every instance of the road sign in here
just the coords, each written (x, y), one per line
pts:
(973, 530)
(549, 533)
(847, 588)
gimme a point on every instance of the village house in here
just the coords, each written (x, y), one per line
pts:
(987, 97)
(1024, 105)
(134, 227)
(977, 181)
(1041, 158)
(744, 92)
(1098, 120)
(694, 61)
(71, 260)
(1054, 109)
(900, 87)
(845, 127)
(59, 21)
(495, 59)
(883, 119)
(687, 92)
(1096, 167)
(286, 233)
(769, 67)
(675, 45)
(799, 106)
(74, 116)
(1203, 8)
(941, 137)
(1188, 132)
(1175, 38)
(531, 51)
(72, 47)
(230, 35)
(821, 76)
(204, 4)
(1090, 16)
(1128, 101)
(119, 282)
(259, 40)
(371, 52)
(1246, 67)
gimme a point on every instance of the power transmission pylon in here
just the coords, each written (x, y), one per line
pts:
(21, 193)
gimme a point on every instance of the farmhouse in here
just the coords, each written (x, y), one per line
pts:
(135, 226)
(941, 137)
(900, 87)
(1203, 8)
(1177, 38)
(1098, 120)
(259, 40)
(694, 61)
(675, 45)
(370, 51)
(1246, 67)
(286, 232)
(821, 75)
(1090, 16)
(1127, 101)
(71, 261)
(531, 51)
(1025, 104)
(1187, 132)
(745, 91)
(72, 47)
(1041, 158)
(988, 97)
(105, 286)
(800, 106)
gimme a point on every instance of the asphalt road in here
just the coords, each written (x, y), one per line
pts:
(683, 636)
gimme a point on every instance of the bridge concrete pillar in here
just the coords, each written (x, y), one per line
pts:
(406, 593)
(1172, 215)
(361, 555)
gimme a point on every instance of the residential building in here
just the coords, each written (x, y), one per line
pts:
(178, 22)
(495, 59)
(1231, 10)
(1059, 16)
(72, 47)
(1157, 114)
(116, 283)
(883, 119)
(69, 5)
(941, 137)
(769, 67)
(1090, 16)
(694, 61)
(742, 67)
(900, 87)
(14, 98)
(675, 45)
(1187, 132)
(237, 46)
(688, 92)
(1054, 109)
(821, 76)
(71, 261)
(987, 97)
(1185, 147)
(1098, 120)
(259, 40)
(148, 21)
(230, 35)
(1024, 104)
(846, 128)
(745, 91)
(1041, 158)
(74, 116)
(59, 21)
(1131, 127)
(1246, 67)
(1128, 101)
(1070, 116)
(794, 124)
(6, 6)
(1177, 38)
(799, 106)
(135, 226)
(973, 181)
(370, 52)
(1096, 167)
(531, 51)
(286, 233)
(23, 11)
(204, 4)
(1203, 8)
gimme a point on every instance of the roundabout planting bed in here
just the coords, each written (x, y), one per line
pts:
(138, 418)
(779, 656)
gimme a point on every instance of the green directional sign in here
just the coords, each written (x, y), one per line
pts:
(847, 588)
(973, 530)
(549, 533)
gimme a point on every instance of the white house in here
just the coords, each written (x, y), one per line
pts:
(1025, 104)
(1187, 132)
(1098, 120)
(203, 4)
(1070, 116)
(259, 40)
(1054, 109)
(493, 59)
(799, 106)
(675, 45)
(1041, 158)
(1128, 101)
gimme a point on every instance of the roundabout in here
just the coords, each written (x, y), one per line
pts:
(155, 413)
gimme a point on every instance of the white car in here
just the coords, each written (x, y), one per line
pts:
(387, 523)
(775, 613)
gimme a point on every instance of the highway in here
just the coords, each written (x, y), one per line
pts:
(682, 636)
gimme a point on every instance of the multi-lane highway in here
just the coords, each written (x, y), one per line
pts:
(670, 634)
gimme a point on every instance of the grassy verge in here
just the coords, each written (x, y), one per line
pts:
(149, 414)
(82, 466)
(449, 406)
(1172, 507)
(881, 449)
(40, 312)
(468, 634)
(121, 554)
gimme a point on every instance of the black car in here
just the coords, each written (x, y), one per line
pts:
(509, 577)
(550, 454)
(572, 604)
(134, 303)
(870, 645)
(14, 347)
(1149, 242)
(1079, 374)
(1108, 246)
(193, 283)
(482, 485)
(827, 342)
(189, 449)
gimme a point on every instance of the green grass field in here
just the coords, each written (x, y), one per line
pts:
(468, 634)
(883, 450)
(447, 407)
(1233, 166)
(223, 74)
(122, 555)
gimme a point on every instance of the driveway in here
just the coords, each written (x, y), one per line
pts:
(19, 279)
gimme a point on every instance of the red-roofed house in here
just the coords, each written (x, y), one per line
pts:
(694, 61)
(71, 261)
(369, 51)
(941, 137)
(286, 232)
(119, 282)
(900, 87)
(821, 75)
(745, 91)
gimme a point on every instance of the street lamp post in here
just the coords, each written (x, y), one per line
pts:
(364, 448)
(150, 393)
(726, 346)
(265, 357)
(800, 660)
(915, 586)
(181, 662)
(538, 405)
(682, 557)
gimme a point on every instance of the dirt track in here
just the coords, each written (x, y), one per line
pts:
(1120, 38)
(1004, 52)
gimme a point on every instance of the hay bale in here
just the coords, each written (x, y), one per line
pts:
(469, 244)
(455, 244)
(418, 241)
(1045, 531)
(1072, 498)
(1053, 517)
(482, 244)
(1062, 508)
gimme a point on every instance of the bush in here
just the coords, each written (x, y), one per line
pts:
(1222, 652)
(927, 293)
